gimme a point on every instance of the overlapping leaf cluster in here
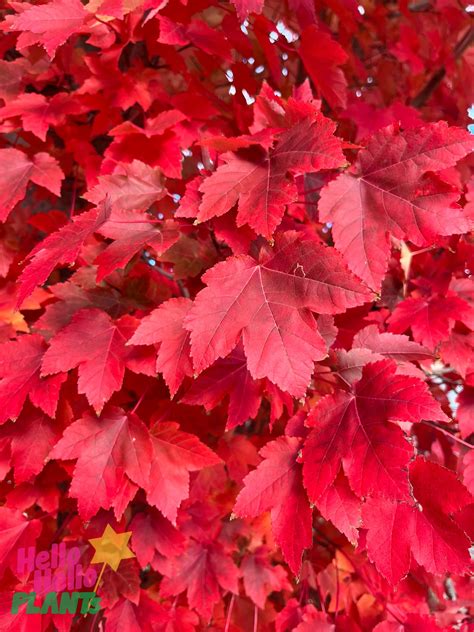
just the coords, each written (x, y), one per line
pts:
(237, 309)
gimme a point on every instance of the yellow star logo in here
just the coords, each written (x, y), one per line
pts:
(111, 548)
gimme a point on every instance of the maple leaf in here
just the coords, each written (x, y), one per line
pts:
(70, 297)
(62, 247)
(131, 187)
(322, 56)
(276, 485)
(131, 232)
(385, 193)
(228, 376)
(397, 347)
(302, 619)
(122, 583)
(151, 534)
(42, 491)
(49, 24)
(11, 77)
(260, 578)
(189, 257)
(458, 351)
(147, 615)
(176, 454)
(397, 531)
(20, 365)
(114, 454)
(17, 531)
(269, 303)
(340, 505)
(245, 7)
(18, 169)
(352, 428)
(156, 144)
(96, 345)
(370, 345)
(31, 438)
(125, 614)
(164, 326)
(201, 570)
(38, 113)
(261, 185)
(430, 320)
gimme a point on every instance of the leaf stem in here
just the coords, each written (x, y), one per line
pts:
(447, 433)
(229, 613)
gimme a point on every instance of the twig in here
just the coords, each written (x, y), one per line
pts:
(183, 289)
(164, 273)
(139, 401)
(422, 97)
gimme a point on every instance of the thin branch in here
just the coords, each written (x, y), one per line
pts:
(139, 401)
(183, 289)
(422, 97)
(164, 273)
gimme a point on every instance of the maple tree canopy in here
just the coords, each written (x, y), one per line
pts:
(237, 310)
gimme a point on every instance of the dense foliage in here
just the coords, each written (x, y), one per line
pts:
(237, 309)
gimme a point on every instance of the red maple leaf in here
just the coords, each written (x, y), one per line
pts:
(48, 24)
(96, 345)
(322, 56)
(276, 485)
(202, 570)
(20, 366)
(355, 430)
(114, 454)
(62, 247)
(38, 113)
(18, 170)
(261, 184)
(31, 439)
(465, 411)
(176, 454)
(164, 326)
(17, 532)
(430, 320)
(135, 186)
(151, 534)
(384, 194)
(260, 578)
(228, 376)
(270, 305)
(157, 143)
(131, 232)
(427, 532)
